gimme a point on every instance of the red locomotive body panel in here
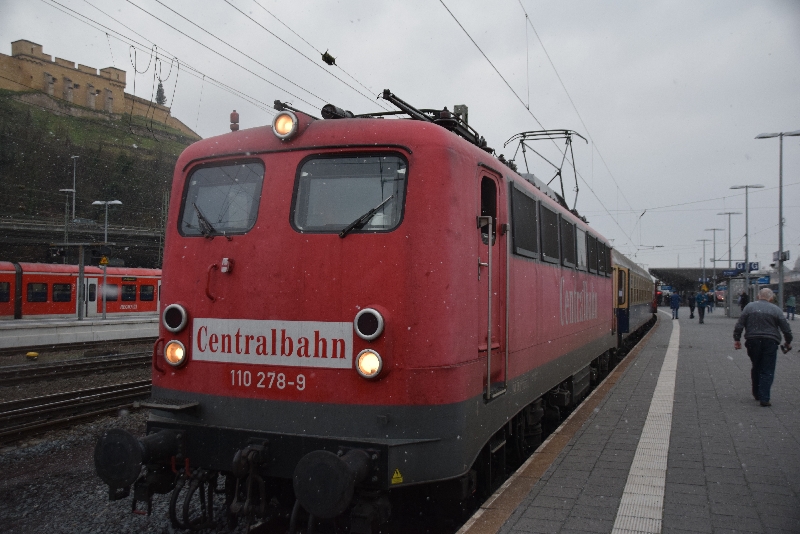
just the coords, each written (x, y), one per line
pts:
(424, 274)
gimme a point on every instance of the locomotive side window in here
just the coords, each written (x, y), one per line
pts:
(62, 292)
(567, 243)
(128, 292)
(112, 292)
(146, 293)
(333, 193)
(621, 288)
(526, 224)
(222, 199)
(592, 247)
(5, 292)
(550, 241)
(37, 292)
(601, 257)
(580, 241)
(488, 208)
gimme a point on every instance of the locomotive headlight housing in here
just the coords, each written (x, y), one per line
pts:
(285, 125)
(175, 353)
(368, 324)
(369, 364)
(174, 318)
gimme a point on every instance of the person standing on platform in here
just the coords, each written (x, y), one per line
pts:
(692, 304)
(700, 299)
(675, 303)
(791, 303)
(763, 323)
(744, 299)
(711, 299)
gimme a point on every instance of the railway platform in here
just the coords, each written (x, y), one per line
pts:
(39, 333)
(671, 442)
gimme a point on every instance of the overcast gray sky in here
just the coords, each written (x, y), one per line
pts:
(670, 93)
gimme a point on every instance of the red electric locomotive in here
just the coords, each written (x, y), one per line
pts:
(356, 305)
(45, 290)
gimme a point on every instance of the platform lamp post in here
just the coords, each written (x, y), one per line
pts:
(729, 213)
(714, 255)
(747, 189)
(704, 257)
(105, 203)
(66, 216)
(74, 164)
(780, 135)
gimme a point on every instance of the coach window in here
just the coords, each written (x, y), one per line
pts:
(525, 231)
(128, 293)
(222, 199)
(112, 292)
(550, 241)
(62, 292)
(567, 243)
(621, 288)
(37, 292)
(146, 293)
(580, 241)
(5, 292)
(591, 242)
(333, 193)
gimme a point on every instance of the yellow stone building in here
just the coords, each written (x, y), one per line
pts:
(28, 68)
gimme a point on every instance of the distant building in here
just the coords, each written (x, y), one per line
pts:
(28, 68)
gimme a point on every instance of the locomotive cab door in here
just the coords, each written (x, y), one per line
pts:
(90, 296)
(492, 237)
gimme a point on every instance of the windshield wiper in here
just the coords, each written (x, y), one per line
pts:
(205, 225)
(359, 223)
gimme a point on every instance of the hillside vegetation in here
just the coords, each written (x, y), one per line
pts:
(126, 159)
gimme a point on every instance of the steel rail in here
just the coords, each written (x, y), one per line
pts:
(14, 374)
(26, 416)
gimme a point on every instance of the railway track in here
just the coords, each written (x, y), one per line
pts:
(20, 418)
(14, 374)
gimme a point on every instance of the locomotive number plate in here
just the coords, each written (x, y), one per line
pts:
(264, 380)
(284, 343)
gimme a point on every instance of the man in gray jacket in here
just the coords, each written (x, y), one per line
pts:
(763, 323)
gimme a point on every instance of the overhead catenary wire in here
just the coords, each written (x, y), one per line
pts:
(296, 50)
(534, 117)
(190, 70)
(563, 86)
(229, 59)
(317, 50)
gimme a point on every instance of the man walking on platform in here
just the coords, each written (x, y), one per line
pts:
(700, 299)
(791, 303)
(675, 303)
(692, 304)
(710, 297)
(763, 323)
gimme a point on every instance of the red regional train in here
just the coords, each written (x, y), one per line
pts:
(357, 305)
(40, 290)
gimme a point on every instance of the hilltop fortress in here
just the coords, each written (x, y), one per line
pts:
(28, 68)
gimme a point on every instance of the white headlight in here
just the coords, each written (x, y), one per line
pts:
(369, 363)
(285, 125)
(175, 353)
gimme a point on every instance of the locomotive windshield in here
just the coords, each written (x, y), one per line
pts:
(331, 193)
(222, 199)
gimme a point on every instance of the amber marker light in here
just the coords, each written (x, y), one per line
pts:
(369, 363)
(284, 125)
(175, 353)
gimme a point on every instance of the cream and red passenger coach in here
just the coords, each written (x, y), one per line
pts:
(357, 305)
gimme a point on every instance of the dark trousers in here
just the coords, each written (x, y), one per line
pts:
(674, 313)
(691, 312)
(763, 353)
(701, 312)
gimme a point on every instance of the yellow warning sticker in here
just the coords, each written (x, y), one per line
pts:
(397, 478)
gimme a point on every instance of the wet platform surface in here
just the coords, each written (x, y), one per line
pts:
(33, 333)
(677, 444)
